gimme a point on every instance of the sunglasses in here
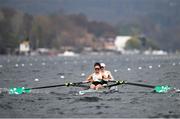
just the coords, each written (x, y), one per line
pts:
(97, 68)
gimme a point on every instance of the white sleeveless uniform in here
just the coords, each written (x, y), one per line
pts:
(95, 77)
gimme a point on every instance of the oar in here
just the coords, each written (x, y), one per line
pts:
(21, 90)
(158, 88)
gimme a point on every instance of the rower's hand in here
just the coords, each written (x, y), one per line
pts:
(104, 85)
(120, 81)
(85, 81)
(106, 79)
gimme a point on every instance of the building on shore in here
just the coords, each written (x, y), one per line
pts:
(120, 43)
(24, 47)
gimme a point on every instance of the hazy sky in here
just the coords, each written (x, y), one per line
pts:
(105, 10)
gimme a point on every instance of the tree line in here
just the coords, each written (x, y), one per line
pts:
(50, 31)
(58, 30)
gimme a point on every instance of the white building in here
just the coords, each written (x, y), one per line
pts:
(24, 47)
(120, 43)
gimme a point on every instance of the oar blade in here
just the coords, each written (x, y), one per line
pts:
(19, 90)
(162, 89)
(27, 91)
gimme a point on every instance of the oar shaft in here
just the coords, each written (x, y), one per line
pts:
(109, 86)
(142, 85)
(131, 83)
(48, 86)
(53, 86)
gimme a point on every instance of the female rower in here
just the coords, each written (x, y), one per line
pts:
(96, 77)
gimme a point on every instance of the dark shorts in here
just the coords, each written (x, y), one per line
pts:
(101, 82)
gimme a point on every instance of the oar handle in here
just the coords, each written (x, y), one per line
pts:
(116, 83)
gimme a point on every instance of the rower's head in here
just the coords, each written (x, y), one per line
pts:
(97, 67)
(102, 66)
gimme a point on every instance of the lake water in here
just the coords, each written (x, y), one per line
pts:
(128, 101)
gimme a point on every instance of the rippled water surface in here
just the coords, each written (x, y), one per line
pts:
(128, 101)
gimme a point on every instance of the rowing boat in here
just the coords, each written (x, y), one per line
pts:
(102, 90)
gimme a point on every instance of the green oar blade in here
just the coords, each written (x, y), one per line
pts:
(27, 90)
(162, 89)
(19, 90)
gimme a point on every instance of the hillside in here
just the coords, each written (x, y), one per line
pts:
(158, 20)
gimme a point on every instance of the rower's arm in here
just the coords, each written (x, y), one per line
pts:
(89, 79)
(110, 77)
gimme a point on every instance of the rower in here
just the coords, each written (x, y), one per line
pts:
(107, 76)
(96, 77)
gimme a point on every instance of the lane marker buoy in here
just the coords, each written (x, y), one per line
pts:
(174, 64)
(82, 74)
(22, 65)
(115, 70)
(17, 65)
(62, 77)
(36, 79)
(150, 67)
(43, 63)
